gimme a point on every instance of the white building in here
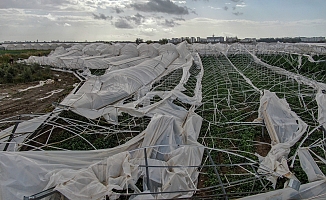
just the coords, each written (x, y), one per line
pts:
(312, 39)
(215, 39)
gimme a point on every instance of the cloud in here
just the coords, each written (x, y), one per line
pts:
(163, 6)
(33, 4)
(137, 19)
(102, 16)
(178, 19)
(226, 8)
(117, 10)
(214, 8)
(236, 0)
(169, 23)
(123, 24)
(148, 31)
(193, 12)
(241, 5)
(50, 5)
(50, 17)
(238, 13)
(66, 24)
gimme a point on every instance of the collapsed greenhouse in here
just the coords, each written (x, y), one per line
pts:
(208, 121)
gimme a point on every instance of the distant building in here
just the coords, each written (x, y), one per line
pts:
(198, 39)
(312, 39)
(215, 39)
(193, 40)
(248, 40)
(231, 39)
(175, 40)
(203, 40)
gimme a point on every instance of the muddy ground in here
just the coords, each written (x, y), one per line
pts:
(36, 100)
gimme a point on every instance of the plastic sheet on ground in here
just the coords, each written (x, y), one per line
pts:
(285, 129)
(314, 190)
(93, 174)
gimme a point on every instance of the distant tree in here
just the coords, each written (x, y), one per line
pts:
(9, 78)
(149, 41)
(2, 72)
(11, 70)
(163, 41)
(188, 40)
(139, 40)
(27, 75)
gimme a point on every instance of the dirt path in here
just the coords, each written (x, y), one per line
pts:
(36, 100)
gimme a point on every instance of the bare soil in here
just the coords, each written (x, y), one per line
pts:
(13, 102)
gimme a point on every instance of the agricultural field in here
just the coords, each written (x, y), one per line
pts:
(250, 116)
(230, 106)
(15, 77)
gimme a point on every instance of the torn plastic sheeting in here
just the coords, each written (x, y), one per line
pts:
(24, 127)
(90, 49)
(321, 102)
(103, 49)
(76, 47)
(315, 190)
(172, 179)
(58, 51)
(121, 83)
(27, 126)
(182, 50)
(287, 125)
(111, 113)
(36, 167)
(157, 107)
(98, 180)
(299, 78)
(147, 50)
(130, 62)
(72, 171)
(91, 62)
(309, 165)
(128, 51)
(285, 129)
(95, 101)
(164, 107)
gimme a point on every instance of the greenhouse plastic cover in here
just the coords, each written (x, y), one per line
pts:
(93, 56)
(321, 102)
(285, 129)
(99, 92)
(314, 190)
(173, 130)
(93, 174)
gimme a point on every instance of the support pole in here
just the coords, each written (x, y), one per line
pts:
(147, 173)
(217, 174)
(12, 134)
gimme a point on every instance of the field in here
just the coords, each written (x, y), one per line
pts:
(234, 138)
(18, 76)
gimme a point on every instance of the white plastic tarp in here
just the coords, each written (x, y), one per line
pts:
(309, 165)
(93, 174)
(321, 102)
(315, 190)
(285, 129)
(121, 83)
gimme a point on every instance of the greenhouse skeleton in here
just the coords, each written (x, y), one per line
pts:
(188, 121)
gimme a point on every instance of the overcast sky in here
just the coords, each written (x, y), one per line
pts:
(93, 20)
